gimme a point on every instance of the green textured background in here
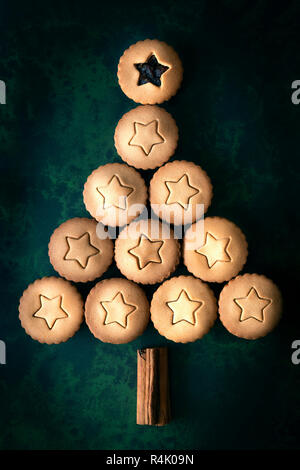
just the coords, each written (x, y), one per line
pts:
(236, 120)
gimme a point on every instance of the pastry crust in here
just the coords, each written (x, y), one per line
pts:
(250, 306)
(77, 253)
(177, 191)
(51, 310)
(147, 253)
(183, 309)
(117, 311)
(219, 254)
(115, 194)
(128, 75)
(146, 137)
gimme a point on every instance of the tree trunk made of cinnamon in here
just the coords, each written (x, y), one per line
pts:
(153, 401)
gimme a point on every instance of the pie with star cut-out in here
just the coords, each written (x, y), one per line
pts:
(51, 310)
(117, 311)
(183, 309)
(215, 250)
(180, 192)
(250, 306)
(146, 137)
(115, 194)
(77, 252)
(150, 72)
(146, 251)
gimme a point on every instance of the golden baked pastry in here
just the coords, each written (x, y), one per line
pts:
(117, 311)
(178, 190)
(146, 251)
(115, 194)
(77, 253)
(146, 137)
(214, 249)
(150, 72)
(51, 310)
(250, 306)
(183, 309)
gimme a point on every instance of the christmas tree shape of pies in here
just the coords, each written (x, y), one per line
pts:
(214, 249)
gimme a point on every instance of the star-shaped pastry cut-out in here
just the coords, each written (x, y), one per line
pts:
(117, 310)
(115, 193)
(146, 136)
(151, 71)
(180, 191)
(252, 305)
(184, 308)
(50, 310)
(214, 249)
(80, 249)
(147, 251)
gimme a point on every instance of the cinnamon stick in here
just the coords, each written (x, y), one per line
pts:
(153, 401)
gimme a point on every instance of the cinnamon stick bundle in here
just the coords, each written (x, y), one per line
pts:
(153, 401)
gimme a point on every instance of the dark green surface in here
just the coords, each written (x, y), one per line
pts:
(237, 121)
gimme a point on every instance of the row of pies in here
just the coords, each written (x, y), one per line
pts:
(182, 309)
(146, 251)
(180, 192)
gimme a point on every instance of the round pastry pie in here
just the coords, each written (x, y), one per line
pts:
(250, 306)
(180, 192)
(146, 137)
(214, 249)
(115, 194)
(183, 309)
(150, 72)
(77, 253)
(117, 311)
(146, 251)
(51, 310)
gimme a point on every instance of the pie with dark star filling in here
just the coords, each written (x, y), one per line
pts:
(150, 72)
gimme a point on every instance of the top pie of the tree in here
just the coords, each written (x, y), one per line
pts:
(150, 72)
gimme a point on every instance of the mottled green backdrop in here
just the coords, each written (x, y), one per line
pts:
(236, 120)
